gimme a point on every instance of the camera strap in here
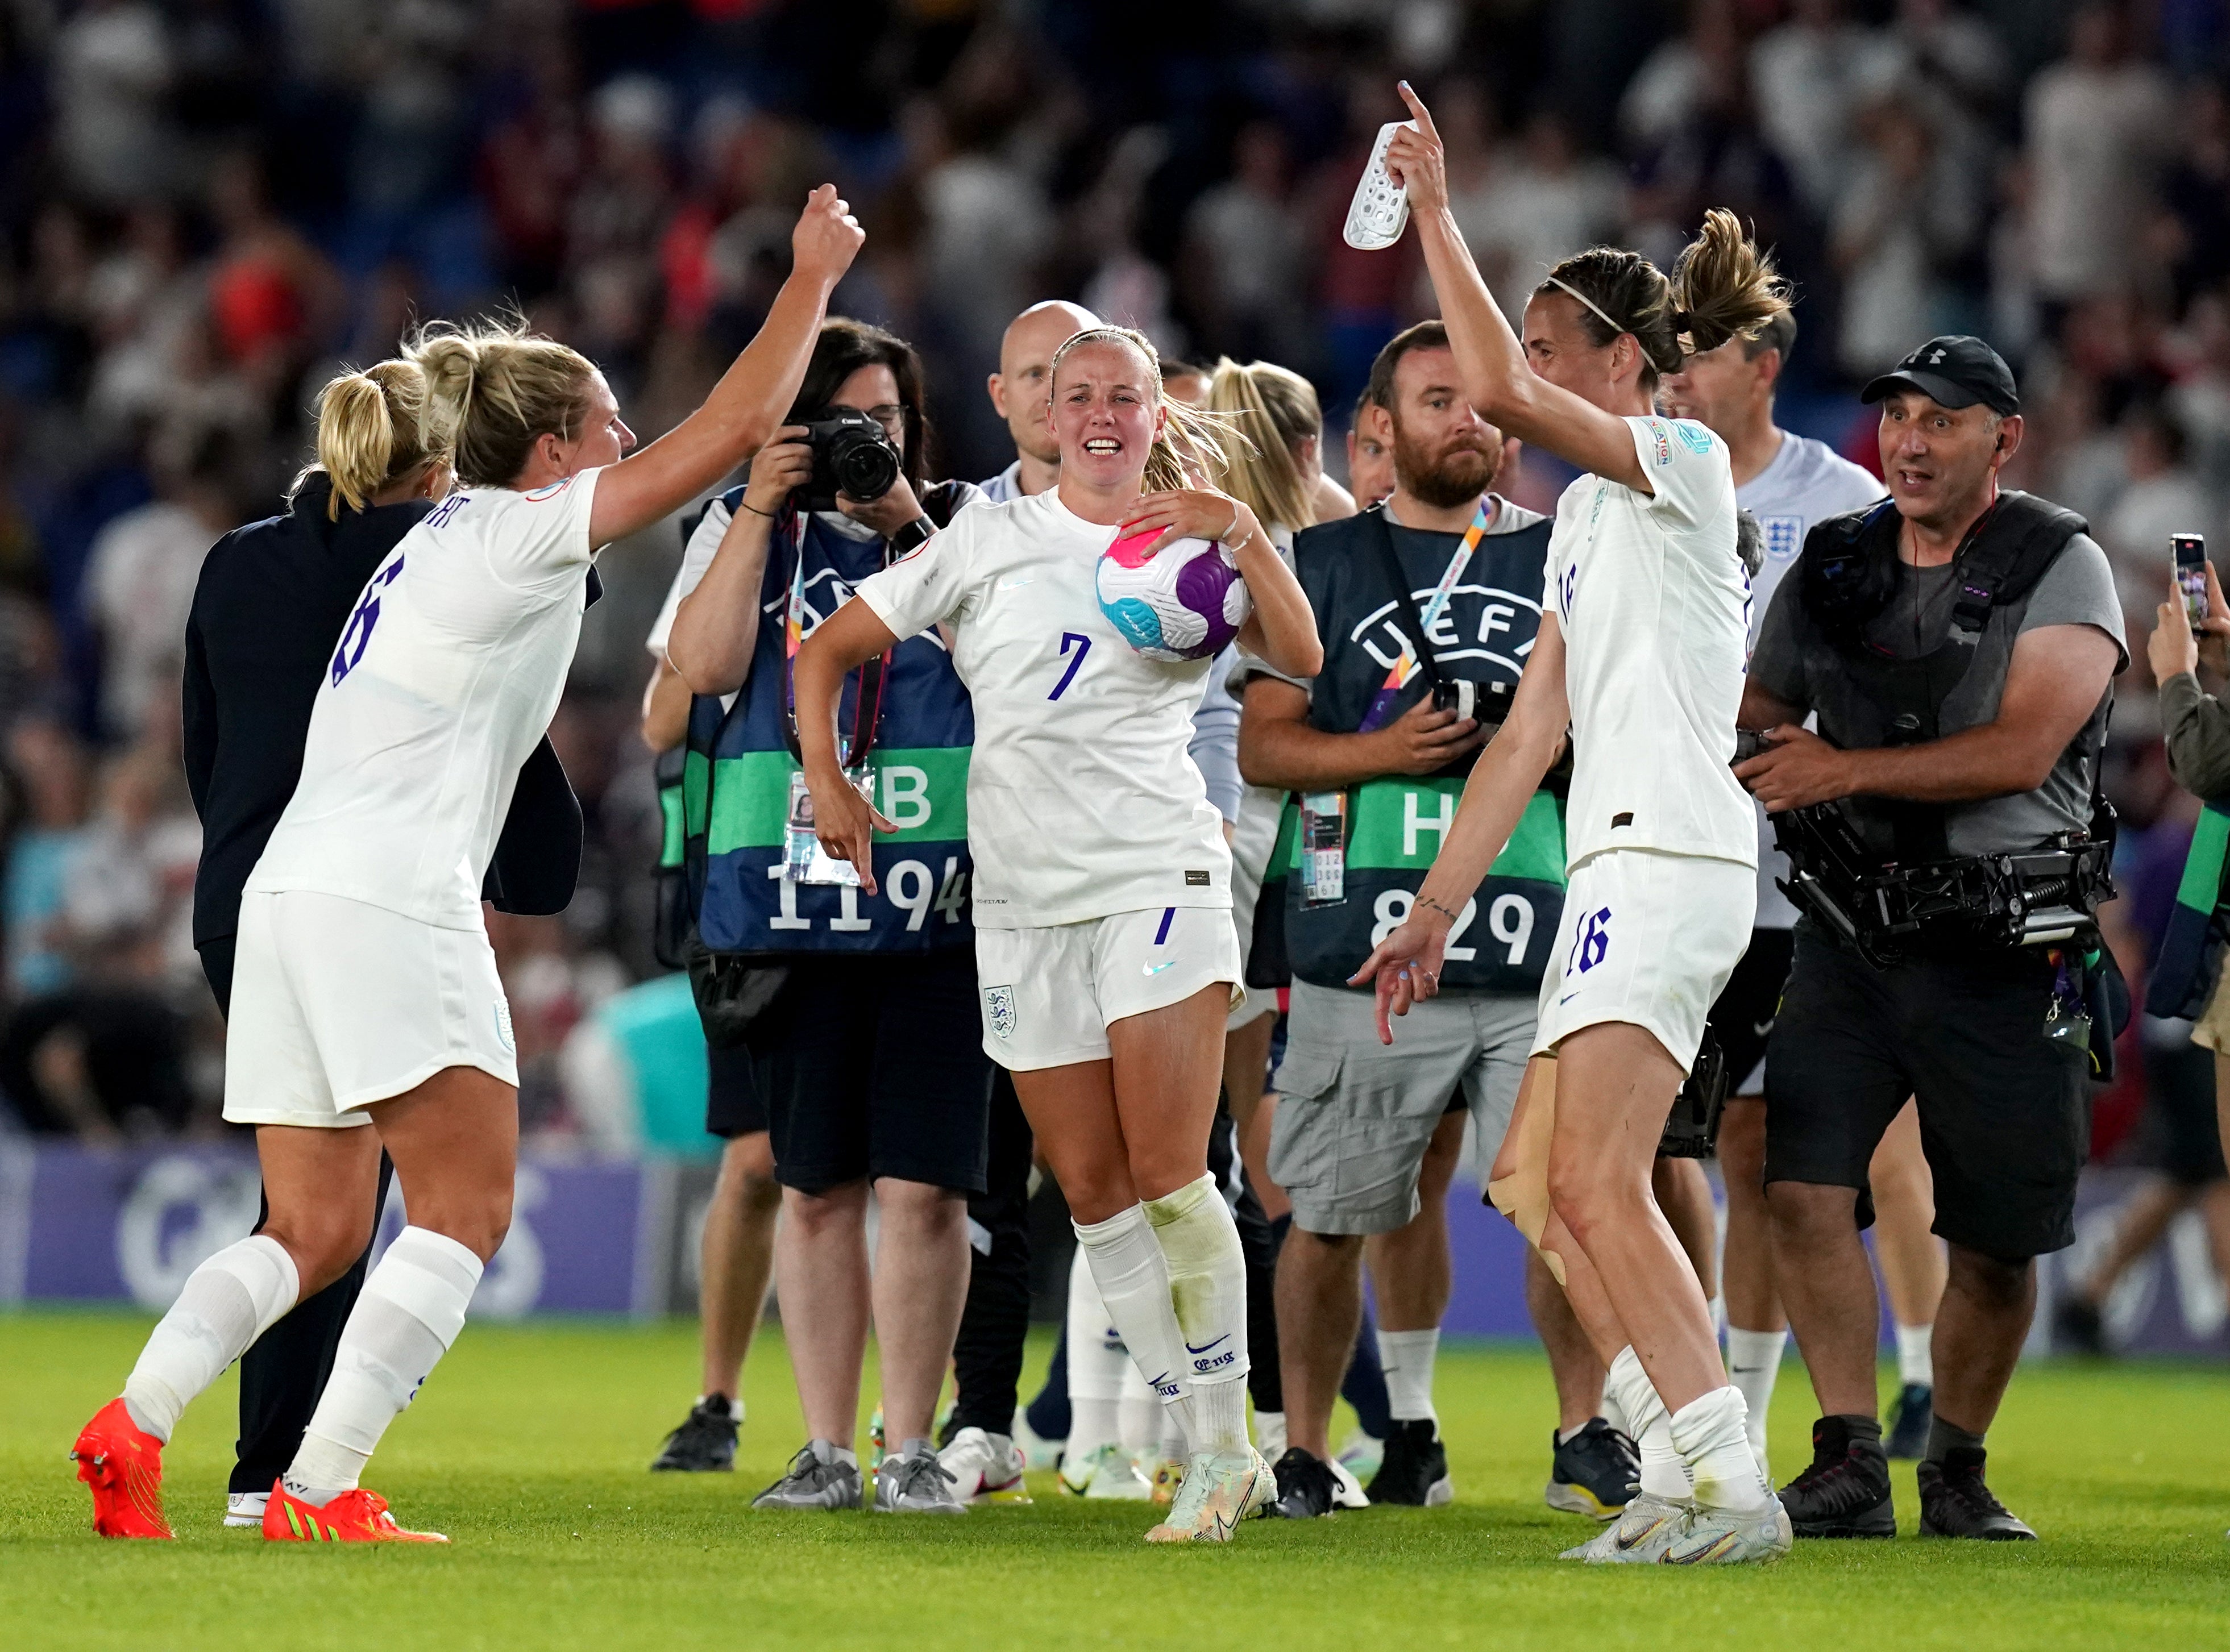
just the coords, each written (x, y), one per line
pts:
(867, 708)
(1417, 647)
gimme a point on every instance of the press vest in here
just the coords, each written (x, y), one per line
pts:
(1397, 823)
(737, 777)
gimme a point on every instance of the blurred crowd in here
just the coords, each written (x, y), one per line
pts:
(205, 205)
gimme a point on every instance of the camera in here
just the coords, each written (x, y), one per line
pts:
(852, 455)
(1456, 694)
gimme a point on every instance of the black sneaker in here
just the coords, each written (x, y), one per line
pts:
(1306, 1486)
(2078, 1329)
(1954, 1501)
(1846, 1491)
(1593, 1473)
(1907, 1440)
(705, 1442)
(1414, 1473)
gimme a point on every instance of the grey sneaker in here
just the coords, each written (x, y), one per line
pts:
(1643, 1530)
(915, 1483)
(818, 1478)
(1726, 1537)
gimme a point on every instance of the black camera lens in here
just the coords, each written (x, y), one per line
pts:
(866, 466)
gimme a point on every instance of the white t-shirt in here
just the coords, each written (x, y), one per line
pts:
(1805, 482)
(445, 677)
(1082, 800)
(1654, 605)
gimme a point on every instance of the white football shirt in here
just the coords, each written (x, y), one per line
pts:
(1082, 800)
(1653, 600)
(1805, 482)
(443, 679)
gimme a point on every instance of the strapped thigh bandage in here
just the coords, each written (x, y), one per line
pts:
(1522, 1194)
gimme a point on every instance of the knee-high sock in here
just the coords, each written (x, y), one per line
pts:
(229, 1301)
(1133, 1277)
(1664, 1471)
(1207, 1290)
(1753, 1365)
(1098, 1362)
(1712, 1435)
(412, 1307)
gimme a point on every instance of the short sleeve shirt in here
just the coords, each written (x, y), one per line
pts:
(1082, 800)
(446, 676)
(1653, 600)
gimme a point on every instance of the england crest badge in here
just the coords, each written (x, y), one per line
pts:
(999, 1010)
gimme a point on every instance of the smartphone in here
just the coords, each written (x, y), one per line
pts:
(2189, 551)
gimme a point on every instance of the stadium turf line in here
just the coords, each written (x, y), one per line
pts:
(529, 1447)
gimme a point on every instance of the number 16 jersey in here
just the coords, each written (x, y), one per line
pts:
(1082, 800)
(444, 679)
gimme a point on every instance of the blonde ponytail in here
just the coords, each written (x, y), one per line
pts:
(372, 433)
(1194, 448)
(1722, 287)
(494, 389)
(1274, 410)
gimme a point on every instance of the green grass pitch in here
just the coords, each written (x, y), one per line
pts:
(529, 1444)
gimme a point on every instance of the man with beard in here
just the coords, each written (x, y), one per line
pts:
(1435, 595)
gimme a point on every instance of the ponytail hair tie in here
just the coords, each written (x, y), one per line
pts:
(1683, 322)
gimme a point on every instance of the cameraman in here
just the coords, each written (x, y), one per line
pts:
(869, 1060)
(1958, 643)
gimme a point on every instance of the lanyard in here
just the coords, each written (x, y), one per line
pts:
(1381, 704)
(867, 708)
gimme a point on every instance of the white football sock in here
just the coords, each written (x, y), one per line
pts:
(1713, 1435)
(1207, 1296)
(1141, 1414)
(1270, 1433)
(412, 1307)
(1664, 1472)
(1098, 1364)
(1407, 1358)
(229, 1301)
(1133, 1278)
(1753, 1365)
(1916, 1356)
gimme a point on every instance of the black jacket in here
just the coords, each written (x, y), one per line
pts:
(270, 604)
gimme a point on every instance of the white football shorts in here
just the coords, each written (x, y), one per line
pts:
(1649, 939)
(338, 1004)
(1048, 995)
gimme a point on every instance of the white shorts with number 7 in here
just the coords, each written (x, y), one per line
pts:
(1648, 939)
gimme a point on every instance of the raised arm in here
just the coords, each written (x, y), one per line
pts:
(1406, 966)
(716, 628)
(749, 402)
(1490, 355)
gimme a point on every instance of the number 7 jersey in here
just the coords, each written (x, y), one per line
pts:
(444, 679)
(1082, 800)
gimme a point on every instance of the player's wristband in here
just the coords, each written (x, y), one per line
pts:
(912, 537)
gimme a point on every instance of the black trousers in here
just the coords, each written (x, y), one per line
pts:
(987, 1355)
(282, 1376)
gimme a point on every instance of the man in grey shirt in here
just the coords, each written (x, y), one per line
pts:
(1958, 644)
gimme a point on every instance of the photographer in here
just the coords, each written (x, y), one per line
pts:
(1958, 643)
(865, 1048)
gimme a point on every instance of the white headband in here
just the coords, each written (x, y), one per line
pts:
(1567, 286)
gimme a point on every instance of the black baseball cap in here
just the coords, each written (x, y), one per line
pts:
(1953, 370)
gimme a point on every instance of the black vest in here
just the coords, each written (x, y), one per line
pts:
(1850, 575)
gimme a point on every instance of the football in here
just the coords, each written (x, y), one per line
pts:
(1186, 602)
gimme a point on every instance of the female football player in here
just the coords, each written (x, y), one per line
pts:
(364, 989)
(1641, 657)
(1103, 905)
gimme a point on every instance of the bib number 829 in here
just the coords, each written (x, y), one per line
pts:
(1509, 920)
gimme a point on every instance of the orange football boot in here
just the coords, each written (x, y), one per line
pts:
(123, 1463)
(357, 1516)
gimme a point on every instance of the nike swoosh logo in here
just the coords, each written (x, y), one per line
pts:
(1015, 584)
(1569, 996)
(1205, 1347)
(1156, 969)
(1759, 1029)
